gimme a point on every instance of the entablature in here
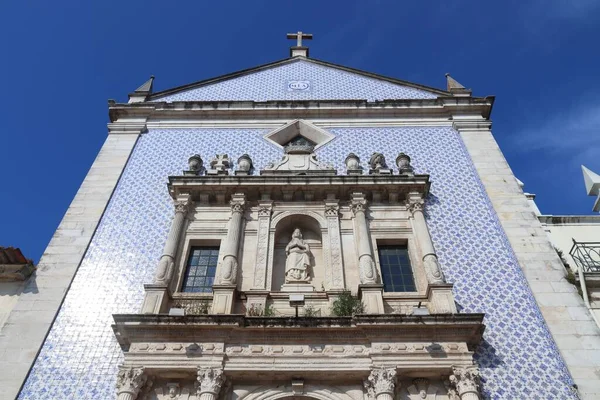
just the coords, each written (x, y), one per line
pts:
(234, 329)
(205, 189)
(442, 107)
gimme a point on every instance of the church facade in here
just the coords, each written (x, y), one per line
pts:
(301, 230)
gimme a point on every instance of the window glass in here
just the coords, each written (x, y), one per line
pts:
(396, 271)
(200, 270)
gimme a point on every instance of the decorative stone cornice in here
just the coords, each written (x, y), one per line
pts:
(130, 380)
(441, 107)
(381, 381)
(465, 380)
(472, 125)
(210, 380)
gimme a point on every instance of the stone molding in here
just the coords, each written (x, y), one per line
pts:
(442, 107)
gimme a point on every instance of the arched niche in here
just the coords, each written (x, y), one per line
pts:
(310, 392)
(314, 233)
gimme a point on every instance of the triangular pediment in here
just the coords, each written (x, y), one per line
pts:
(282, 136)
(299, 78)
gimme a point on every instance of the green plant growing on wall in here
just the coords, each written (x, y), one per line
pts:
(347, 305)
(311, 311)
(193, 307)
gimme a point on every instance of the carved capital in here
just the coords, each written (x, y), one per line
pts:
(415, 205)
(264, 211)
(465, 380)
(358, 203)
(238, 203)
(130, 380)
(210, 380)
(332, 210)
(182, 206)
(381, 381)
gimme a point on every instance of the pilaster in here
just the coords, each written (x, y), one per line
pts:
(265, 210)
(335, 276)
(26, 326)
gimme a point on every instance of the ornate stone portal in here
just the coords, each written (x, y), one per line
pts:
(298, 227)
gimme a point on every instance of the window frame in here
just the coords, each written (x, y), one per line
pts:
(420, 280)
(399, 247)
(214, 253)
(184, 254)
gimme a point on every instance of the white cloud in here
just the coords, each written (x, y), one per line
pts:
(575, 133)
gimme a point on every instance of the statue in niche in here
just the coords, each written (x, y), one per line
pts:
(298, 259)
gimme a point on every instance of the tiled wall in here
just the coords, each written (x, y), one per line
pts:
(317, 82)
(518, 357)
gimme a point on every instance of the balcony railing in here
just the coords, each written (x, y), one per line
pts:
(586, 255)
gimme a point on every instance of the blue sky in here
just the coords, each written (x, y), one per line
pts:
(61, 61)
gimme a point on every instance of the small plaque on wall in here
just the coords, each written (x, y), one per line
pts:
(298, 86)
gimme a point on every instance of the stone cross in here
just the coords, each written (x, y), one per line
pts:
(299, 36)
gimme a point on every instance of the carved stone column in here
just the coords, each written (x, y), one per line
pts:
(225, 289)
(433, 271)
(381, 384)
(466, 382)
(157, 293)
(129, 382)
(231, 244)
(367, 270)
(335, 275)
(210, 381)
(164, 272)
(370, 290)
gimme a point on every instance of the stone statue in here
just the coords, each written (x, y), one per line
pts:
(298, 259)
(378, 165)
(377, 161)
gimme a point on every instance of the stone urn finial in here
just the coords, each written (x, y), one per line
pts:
(353, 164)
(403, 163)
(195, 165)
(244, 165)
